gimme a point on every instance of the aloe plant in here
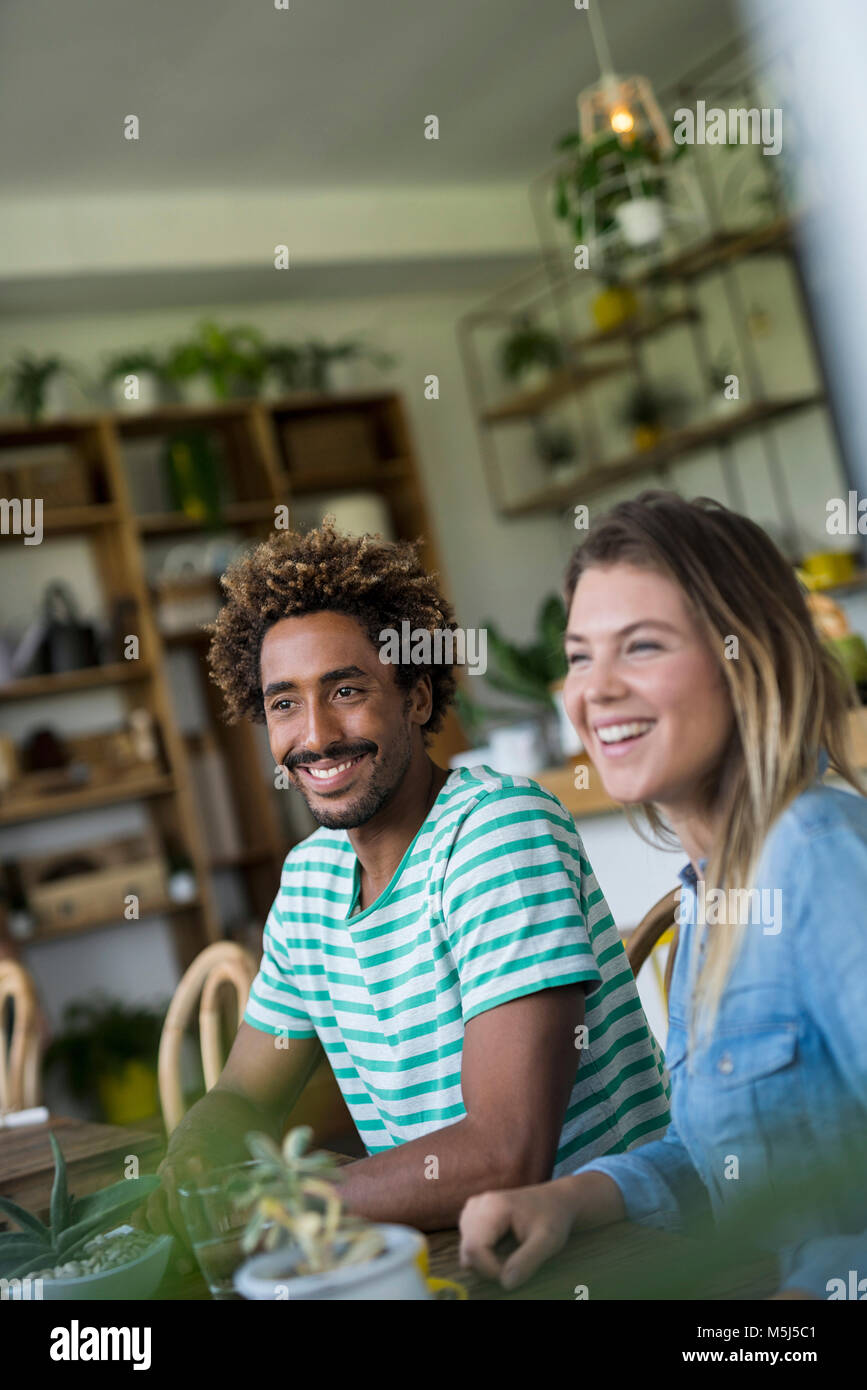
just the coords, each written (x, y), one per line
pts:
(293, 1194)
(74, 1220)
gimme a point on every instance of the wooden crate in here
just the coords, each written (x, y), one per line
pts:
(330, 443)
(98, 897)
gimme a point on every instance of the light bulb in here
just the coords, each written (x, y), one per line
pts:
(622, 120)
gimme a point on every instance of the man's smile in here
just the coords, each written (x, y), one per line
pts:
(329, 774)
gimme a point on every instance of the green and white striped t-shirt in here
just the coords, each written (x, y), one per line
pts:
(494, 899)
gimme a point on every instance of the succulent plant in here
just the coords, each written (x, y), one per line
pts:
(74, 1221)
(295, 1201)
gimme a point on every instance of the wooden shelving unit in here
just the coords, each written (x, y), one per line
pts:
(263, 467)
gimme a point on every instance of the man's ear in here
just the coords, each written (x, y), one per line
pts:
(421, 700)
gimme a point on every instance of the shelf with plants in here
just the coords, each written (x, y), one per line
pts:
(672, 446)
(632, 222)
(266, 453)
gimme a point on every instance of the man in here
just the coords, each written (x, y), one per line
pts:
(442, 936)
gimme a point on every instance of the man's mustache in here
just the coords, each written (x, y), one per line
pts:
(336, 751)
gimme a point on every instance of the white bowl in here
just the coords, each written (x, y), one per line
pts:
(395, 1274)
(139, 1278)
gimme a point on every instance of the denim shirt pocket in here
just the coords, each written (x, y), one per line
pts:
(748, 1104)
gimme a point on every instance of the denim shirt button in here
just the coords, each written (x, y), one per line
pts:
(726, 1065)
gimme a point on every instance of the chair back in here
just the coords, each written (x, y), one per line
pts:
(20, 1054)
(661, 919)
(223, 963)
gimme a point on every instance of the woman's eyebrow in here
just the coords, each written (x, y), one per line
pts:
(625, 631)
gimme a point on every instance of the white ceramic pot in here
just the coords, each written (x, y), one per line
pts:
(641, 220)
(393, 1275)
(519, 750)
(198, 390)
(568, 739)
(148, 394)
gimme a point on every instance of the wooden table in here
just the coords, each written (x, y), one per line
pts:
(623, 1261)
(95, 1157)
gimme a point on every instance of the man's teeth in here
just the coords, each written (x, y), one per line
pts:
(616, 733)
(330, 772)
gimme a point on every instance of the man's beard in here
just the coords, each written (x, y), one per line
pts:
(384, 782)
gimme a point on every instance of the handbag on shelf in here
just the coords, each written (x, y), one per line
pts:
(66, 643)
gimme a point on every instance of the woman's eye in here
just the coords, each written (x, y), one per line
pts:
(576, 657)
(645, 647)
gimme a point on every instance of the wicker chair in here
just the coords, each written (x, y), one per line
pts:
(20, 1056)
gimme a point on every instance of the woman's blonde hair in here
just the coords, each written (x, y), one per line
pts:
(789, 695)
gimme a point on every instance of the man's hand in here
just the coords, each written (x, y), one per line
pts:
(258, 1085)
(210, 1136)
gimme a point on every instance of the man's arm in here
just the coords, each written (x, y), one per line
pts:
(517, 1072)
(256, 1089)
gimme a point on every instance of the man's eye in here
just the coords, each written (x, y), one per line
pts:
(347, 690)
(280, 705)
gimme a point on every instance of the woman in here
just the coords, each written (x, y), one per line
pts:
(704, 697)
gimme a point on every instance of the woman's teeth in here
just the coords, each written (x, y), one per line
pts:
(617, 733)
(326, 774)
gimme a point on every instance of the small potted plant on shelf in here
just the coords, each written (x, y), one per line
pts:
(284, 369)
(107, 1051)
(722, 383)
(35, 386)
(530, 354)
(217, 363)
(330, 367)
(651, 411)
(83, 1252)
(556, 446)
(311, 1248)
(142, 393)
(530, 673)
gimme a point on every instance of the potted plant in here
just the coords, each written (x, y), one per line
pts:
(650, 412)
(719, 380)
(528, 672)
(333, 366)
(312, 1248)
(109, 1048)
(284, 369)
(530, 354)
(83, 1253)
(217, 363)
(142, 364)
(556, 446)
(35, 386)
(615, 189)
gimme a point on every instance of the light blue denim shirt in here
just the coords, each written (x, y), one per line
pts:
(781, 1083)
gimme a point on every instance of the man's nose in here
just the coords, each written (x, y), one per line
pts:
(322, 727)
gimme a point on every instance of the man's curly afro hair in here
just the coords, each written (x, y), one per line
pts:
(379, 583)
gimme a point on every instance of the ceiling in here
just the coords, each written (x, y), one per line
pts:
(236, 93)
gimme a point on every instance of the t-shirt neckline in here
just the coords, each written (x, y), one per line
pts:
(353, 917)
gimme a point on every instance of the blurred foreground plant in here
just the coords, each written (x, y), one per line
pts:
(295, 1201)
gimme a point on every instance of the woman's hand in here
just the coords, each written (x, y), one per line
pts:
(541, 1219)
